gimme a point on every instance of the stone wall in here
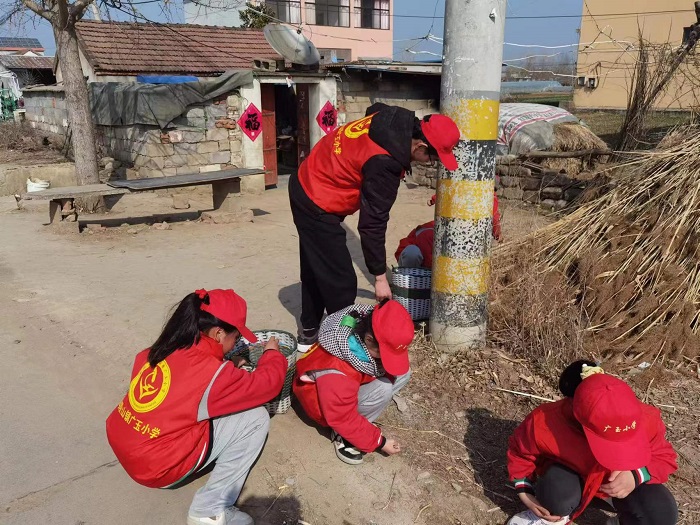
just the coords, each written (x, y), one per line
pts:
(357, 90)
(13, 179)
(535, 185)
(205, 138)
(46, 109)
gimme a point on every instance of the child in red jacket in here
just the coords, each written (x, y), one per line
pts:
(416, 249)
(347, 379)
(186, 407)
(598, 442)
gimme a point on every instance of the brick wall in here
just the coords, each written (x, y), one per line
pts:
(46, 109)
(205, 138)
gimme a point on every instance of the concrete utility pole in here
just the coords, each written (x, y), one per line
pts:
(471, 85)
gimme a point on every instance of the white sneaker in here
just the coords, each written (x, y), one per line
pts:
(528, 517)
(231, 516)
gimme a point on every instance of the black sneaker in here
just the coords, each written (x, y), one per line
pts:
(306, 339)
(345, 451)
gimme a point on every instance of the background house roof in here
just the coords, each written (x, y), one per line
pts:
(124, 48)
(17, 44)
(26, 62)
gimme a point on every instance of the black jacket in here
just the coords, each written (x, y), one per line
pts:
(392, 129)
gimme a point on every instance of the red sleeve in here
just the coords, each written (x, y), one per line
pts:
(337, 396)
(523, 450)
(235, 390)
(663, 457)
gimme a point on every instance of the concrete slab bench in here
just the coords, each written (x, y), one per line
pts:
(226, 188)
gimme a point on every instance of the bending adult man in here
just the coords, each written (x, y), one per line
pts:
(357, 167)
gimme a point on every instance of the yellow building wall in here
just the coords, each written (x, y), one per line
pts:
(608, 50)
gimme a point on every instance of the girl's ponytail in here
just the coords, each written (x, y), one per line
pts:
(180, 331)
(184, 327)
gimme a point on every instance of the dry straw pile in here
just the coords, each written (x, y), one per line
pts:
(626, 264)
(569, 136)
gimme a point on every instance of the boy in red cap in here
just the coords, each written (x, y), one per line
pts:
(357, 167)
(186, 407)
(598, 442)
(348, 378)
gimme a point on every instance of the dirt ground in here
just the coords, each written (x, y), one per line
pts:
(77, 308)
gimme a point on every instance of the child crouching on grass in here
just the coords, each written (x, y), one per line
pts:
(598, 443)
(187, 408)
(347, 379)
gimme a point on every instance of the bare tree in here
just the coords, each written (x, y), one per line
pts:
(63, 15)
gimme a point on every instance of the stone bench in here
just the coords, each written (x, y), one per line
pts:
(226, 189)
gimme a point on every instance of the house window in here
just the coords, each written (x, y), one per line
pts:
(335, 13)
(372, 14)
(288, 11)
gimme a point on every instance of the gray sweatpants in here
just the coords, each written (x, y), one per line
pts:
(374, 397)
(238, 440)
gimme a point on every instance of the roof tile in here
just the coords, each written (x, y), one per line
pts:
(124, 48)
(26, 62)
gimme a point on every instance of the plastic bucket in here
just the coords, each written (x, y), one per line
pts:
(37, 185)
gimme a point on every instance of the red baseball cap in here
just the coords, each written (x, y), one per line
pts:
(612, 419)
(443, 135)
(230, 307)
(393, 329)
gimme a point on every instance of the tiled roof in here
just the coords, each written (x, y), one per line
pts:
(26, 62)
(124, 48)
(19, 43)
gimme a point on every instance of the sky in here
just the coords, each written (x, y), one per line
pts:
(544, 30)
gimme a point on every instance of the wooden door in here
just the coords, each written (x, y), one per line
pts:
(303, 133)
(269, 133)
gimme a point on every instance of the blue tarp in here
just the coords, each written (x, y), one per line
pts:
(165, 79)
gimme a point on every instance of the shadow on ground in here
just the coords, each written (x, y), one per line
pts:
(281, 510)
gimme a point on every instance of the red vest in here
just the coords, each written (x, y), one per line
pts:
(424, 240)
(154, 431)
(318, 359)
(331, 175)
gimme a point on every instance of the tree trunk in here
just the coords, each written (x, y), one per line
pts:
(78, 105)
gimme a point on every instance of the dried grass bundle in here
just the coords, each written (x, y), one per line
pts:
(569, 136)
(632, 255)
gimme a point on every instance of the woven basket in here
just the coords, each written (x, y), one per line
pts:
(252, 352)
(411, 288)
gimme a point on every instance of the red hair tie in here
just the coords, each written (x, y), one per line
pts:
(201, 293)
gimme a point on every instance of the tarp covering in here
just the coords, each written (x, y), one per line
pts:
(528, 127)
(165, 79)
(126, 104)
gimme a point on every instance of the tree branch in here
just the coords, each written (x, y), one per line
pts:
(78, 9)
(37, 9)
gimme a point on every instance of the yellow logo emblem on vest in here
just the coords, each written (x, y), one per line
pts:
(148, 390)
(358, 128)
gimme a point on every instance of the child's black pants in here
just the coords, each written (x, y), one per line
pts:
(328, 279)
(559, 490)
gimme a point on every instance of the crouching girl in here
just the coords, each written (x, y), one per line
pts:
(347, 379)
(187, 408)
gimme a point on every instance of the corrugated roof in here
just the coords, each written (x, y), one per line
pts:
(124, 48)
(26, 62)
(19, 43)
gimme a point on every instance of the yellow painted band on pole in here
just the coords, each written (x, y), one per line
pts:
(476, 119)
(461, 276)
(465, 199)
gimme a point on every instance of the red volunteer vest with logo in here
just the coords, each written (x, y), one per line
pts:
(318, 359)
(331, 176)
(154, 431)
